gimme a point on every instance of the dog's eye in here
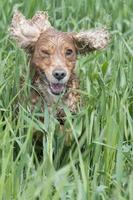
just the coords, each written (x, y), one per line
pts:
(69, 52)
(44, 53)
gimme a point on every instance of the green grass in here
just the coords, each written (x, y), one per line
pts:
(99, 162)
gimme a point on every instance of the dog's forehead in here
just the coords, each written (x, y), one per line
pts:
(54, 36)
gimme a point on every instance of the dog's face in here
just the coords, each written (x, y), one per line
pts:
(55, 54)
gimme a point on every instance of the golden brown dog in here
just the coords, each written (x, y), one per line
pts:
(53, 55)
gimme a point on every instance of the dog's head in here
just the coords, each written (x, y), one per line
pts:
(52, 51)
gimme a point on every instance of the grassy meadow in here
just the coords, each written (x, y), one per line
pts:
(98, 163)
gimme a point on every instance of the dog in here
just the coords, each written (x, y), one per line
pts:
(53, 56)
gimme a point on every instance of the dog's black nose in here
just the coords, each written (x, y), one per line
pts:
(59, 74)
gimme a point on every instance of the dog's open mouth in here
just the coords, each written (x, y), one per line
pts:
(57, 88)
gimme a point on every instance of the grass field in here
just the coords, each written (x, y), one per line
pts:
(98, 164)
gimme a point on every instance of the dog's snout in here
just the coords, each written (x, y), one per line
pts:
(59, 74)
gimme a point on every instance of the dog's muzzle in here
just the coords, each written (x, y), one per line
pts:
(57, 88)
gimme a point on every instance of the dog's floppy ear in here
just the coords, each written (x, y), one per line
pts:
(26, 32)
(92, 40)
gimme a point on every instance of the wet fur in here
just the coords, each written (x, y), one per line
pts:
(47, 48)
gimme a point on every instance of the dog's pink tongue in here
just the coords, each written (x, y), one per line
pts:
(57, 88)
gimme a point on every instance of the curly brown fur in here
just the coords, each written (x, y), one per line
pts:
(53, 56)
